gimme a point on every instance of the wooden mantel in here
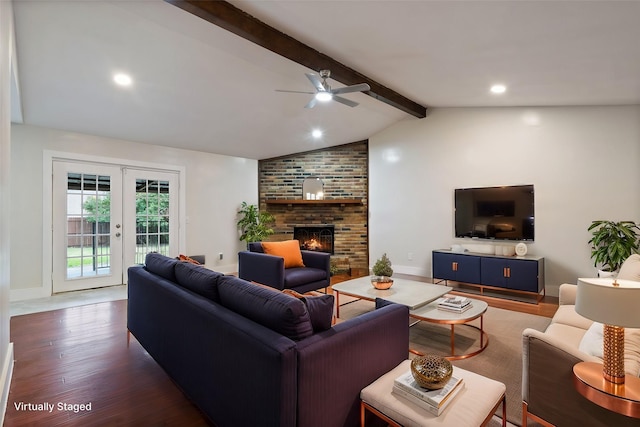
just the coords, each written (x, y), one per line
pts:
(291, 202)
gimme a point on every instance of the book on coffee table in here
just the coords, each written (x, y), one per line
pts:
(456, 310)
(434, 401)
(456, 303)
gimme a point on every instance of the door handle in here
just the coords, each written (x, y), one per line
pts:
(454, 266)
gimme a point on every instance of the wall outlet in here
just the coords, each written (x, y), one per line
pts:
(220, 255)
(410, 256)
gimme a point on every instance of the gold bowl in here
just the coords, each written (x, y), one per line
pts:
(381, 282)
(431, 372)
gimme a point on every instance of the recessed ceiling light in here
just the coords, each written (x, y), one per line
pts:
(324, 96)
(122, 79)
(316, 133)
(498, 89)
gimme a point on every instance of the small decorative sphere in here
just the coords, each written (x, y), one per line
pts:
(431, 372)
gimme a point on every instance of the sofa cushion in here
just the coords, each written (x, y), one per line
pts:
(630, 268)
(567, 315)
(320, 308)
(301, 276)
(198, 279)
(161, 265)
(289, 250)
(277, 311)
(569, 335)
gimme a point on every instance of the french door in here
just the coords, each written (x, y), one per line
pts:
(107, 218)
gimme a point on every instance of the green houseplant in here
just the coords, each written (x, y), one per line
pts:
(612, 243)
(382, 273)
(254, 225)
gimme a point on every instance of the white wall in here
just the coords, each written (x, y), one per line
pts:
(6, 348)
(583, 161)
(216, 185)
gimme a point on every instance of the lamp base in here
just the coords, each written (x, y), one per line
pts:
(613, 356)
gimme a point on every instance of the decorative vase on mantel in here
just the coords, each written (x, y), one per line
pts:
(382, 271)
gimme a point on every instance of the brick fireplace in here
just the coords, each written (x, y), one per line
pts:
(344, 172)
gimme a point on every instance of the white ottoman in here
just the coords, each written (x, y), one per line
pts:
(472, 407)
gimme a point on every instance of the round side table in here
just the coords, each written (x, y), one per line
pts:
(621, 398)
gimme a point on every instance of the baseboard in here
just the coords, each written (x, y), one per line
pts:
(414, 271)
(5, 381)
(28, 293)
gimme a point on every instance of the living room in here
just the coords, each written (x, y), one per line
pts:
(581, 159)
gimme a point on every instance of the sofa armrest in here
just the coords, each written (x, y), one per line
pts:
(567, 294)
(335, 365)
(320, 260)
(547, 384)
(262, 268)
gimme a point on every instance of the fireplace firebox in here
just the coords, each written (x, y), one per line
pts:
(317, 238)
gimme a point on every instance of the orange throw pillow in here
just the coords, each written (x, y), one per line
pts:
(289, 250)
(188, 259)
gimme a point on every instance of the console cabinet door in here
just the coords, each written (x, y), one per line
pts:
(468, 269)
(443, 266)
(494, 272)
(523, 275)
(460, 268)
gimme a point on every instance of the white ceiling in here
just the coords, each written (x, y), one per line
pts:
(199, 87)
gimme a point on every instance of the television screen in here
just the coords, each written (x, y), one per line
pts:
(501, 213)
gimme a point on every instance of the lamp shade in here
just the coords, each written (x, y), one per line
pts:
(601, 301)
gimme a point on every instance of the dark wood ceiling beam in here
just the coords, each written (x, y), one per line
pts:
(229, 17)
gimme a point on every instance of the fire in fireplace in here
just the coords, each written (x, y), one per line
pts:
(315, 237)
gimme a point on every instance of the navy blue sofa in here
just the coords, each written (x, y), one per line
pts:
(249, 355)
(256, 266)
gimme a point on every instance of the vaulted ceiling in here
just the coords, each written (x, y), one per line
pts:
(200, 87)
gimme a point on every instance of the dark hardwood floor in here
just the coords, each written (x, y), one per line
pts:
(80, 356)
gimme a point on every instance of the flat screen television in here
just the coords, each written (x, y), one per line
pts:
(499, 213)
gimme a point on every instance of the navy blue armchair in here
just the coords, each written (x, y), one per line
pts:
(256, 266)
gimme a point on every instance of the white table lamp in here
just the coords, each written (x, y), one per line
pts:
(616, 304)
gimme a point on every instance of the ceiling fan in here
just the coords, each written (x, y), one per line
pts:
(324, 92)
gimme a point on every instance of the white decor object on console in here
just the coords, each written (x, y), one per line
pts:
(521, 249)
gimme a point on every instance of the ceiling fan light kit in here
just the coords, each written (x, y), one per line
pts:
(324, 96)
(324, 93)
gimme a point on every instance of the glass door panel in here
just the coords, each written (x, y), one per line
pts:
(155, 213)
(87, 210)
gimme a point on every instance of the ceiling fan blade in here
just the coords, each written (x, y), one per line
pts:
(344, 101)
(311, 103)
(355, 88)
(294, 91)
(315, 80)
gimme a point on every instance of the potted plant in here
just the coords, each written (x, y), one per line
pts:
(612, 243)
(254, 225)
(382, 273)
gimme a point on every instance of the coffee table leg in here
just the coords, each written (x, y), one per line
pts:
(481, 332)
(453, 341)
(337, 304)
